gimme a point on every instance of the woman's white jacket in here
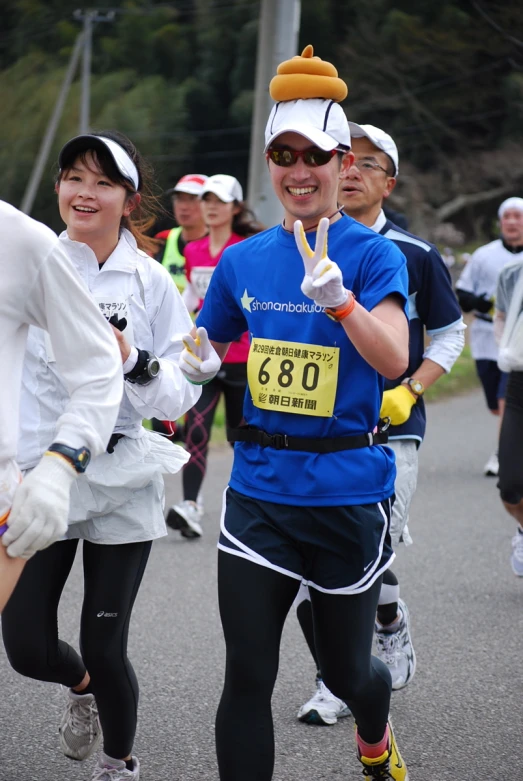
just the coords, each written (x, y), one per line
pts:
(132, 285)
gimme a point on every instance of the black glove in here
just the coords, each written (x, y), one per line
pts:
(468, 301)
(120, 324)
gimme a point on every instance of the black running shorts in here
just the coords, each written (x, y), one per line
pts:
(338, 550)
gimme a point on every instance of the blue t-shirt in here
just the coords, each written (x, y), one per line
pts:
(256, 287)
(433, 307)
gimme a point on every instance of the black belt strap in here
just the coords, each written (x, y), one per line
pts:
(316, 445)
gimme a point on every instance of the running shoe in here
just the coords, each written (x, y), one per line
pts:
(80, 731)
(185, 518)
(516, 559)
(323, 708)
(389, 767)
(394, 648)
(491, 468)
(109, 769)
(200, 503)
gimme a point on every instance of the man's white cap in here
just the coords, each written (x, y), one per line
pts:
(322, 122)
(121, 159)
(191, 184)
(225, 187)
(380, 139)
(510, 203)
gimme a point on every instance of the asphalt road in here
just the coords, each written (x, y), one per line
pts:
(460, 718)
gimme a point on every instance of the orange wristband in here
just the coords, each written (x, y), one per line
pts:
(342, 312)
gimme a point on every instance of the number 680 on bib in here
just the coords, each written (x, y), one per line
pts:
(293, 377)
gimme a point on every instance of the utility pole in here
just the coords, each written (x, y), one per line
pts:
(88, 18)
(45, 147)
(83, 44)
(277, 41)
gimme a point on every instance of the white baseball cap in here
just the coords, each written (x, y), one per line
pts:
(510, 203)
(380, 139)
(323, 122)
(225, 187)
(191, 184)
(120, 157)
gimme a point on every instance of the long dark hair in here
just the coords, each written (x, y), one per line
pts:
(144, 215)
(244, 222)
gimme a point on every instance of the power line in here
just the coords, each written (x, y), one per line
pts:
(424, 88)
(495, 25)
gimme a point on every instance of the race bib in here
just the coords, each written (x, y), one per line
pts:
(293, 377)
(116, 310)
(200, 279)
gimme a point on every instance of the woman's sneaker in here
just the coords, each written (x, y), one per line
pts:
(389, 767)
(185, 517)
(323, 709)
(109, 769)
(80, 730)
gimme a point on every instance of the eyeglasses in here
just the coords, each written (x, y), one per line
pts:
(313, 157)
(366, 166)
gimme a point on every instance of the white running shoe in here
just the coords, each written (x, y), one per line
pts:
(491, 468)
(394, 648)
(80, 730)
(200, 503)
(323, 708)
(516, 559)
(109, 769)
(185, 517)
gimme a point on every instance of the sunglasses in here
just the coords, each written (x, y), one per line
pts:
(312, 157)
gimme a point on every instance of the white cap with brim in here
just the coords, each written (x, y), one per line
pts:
(322, 122)
(120, 157)
(380, 139)
(225, 187)
(510, 203)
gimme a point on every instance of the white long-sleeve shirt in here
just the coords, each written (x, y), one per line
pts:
(39, 287)
(133, 286)
(480, 276)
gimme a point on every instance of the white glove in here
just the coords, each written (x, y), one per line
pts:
(323, 281)
(199, 361)
(40, 508)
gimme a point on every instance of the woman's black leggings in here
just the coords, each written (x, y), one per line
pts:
(112, 577)
(231, 380)
(254, 602)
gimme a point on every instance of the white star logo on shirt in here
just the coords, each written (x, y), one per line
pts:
(246, 300)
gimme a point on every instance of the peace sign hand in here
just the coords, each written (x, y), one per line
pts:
(323, 281)
(199, 361)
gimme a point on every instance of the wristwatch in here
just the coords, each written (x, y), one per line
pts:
(416, 386)
(79, 458)
(146, 369)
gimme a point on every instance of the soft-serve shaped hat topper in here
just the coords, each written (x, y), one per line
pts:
(307, 90)
(307, 76)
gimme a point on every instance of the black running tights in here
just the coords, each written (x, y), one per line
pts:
(112, 577)
(254, 602)
(231, 380)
